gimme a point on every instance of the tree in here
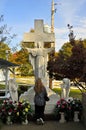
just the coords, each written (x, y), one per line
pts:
(70, 63)
(57, 65)
(76, 61)
(21, 57)
(3, 48)
(5, 35)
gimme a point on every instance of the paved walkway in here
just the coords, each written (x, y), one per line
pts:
(49, 125)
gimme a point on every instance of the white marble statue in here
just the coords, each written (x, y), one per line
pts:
(65, 88)
(13, 89)
(38, 57)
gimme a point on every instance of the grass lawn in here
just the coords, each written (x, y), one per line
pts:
(26, 82)
(2, 86)
(75, 93)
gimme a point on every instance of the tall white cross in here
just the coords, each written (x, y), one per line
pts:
(39, 35)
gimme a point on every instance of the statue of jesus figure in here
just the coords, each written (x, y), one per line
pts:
(38, 58)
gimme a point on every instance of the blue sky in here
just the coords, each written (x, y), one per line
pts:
(20, 15)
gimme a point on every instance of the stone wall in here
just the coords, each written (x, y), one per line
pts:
(84, 107)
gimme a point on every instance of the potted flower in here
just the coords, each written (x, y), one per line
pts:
(71, 109)
(7, 111)
(22, 111)
(69, 115)
(15, 112)
(61, 109)
(76, 107)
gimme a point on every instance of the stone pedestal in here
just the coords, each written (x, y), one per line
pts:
(76, 119)
(50, 105)
(9, 122)
(62, 120)
(25, 122)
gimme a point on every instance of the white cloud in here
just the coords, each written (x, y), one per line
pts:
(80, 28)
(62, 33)
(68, 11)
(80, 33)
(69, 8)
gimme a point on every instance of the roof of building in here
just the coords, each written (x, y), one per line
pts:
(5, 63)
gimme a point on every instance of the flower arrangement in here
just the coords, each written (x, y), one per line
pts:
(6, 110)
(61, 106)
(75, 105)
(11, 112)
(68, 107)
(22, 110)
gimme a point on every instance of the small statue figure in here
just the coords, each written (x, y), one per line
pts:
(65, 88)
(13, 89)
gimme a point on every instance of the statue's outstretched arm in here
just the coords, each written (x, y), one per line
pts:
(50, 49)
(29, 49)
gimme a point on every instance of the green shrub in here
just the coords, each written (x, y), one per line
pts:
(22, 89)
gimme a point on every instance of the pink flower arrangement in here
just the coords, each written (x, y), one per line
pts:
(16, 111)
(68, 107)
(62, 105)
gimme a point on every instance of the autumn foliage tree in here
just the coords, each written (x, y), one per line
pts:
(5, 37)
(57, 65)
(76, 61)
(5, 34)
(22, 58)
(70, 62)
(3, 48)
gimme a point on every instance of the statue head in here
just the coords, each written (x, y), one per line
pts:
(40, 45)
